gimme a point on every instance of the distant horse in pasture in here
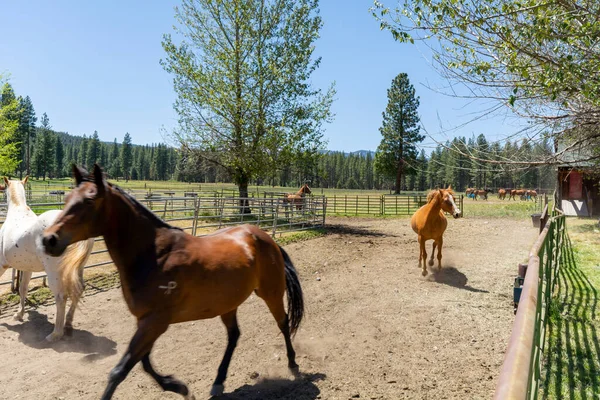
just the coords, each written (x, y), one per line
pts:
(501, 194)
(21, 248)
(517, 192)
(429, 223)
(482, 193)
(531, 194)
(297, 198)
(169, 276)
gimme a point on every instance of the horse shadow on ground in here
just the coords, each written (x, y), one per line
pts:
(573, 347)
(34, 330)
(302, 388)
(452, 277)
(355, 230)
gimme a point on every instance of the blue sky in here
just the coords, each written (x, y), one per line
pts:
(95, 66)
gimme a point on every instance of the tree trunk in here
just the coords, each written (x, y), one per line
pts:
(242, 182)
(399, 177)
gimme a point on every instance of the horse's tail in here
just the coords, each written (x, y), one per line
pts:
(295, 298)
(71, 267)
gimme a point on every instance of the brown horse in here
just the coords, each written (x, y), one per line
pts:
(532, 194)
(298, 197)
(481, 193)
(517, 192)
(501, 194)
(169, 276)
(429, 222)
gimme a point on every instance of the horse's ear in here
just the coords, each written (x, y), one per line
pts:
(24, 181)
(79, 174)
(99, 179)
(449, 187)
(6, 181)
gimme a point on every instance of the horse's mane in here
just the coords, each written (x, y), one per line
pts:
(143, 210)
(433, 193)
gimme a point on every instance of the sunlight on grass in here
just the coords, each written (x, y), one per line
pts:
(571, 362)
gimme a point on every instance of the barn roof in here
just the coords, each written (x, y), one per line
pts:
(577, 156)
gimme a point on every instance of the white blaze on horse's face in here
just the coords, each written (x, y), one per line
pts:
(455, 210)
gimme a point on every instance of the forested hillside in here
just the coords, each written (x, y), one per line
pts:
(45, 153)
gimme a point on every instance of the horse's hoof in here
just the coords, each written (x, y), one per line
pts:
(189, 396)
(431, 263)
(217, 390)
(424, 273)
(53, 337)
(295, 371)
(18, 316)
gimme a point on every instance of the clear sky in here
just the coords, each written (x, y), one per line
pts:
(95, 66)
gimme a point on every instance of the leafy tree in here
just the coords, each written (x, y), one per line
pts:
(126, 156)
(537, 58)
(400, 131)
(9, 126)
(242, 77)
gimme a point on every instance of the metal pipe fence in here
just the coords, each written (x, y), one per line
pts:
(521, 370)
(378, 205)
(201, 215)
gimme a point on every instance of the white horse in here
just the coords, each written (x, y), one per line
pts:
(21, 248)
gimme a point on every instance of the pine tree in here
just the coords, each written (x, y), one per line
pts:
(400, 131)
(44, 152)
(59, 155)
(82, 155)
(126, 156)
(115, 163)
(93, 151)
(27, 132)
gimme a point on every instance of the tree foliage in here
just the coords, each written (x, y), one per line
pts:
(540, 59)
(9, 125)
(242, 77)
(400, 130)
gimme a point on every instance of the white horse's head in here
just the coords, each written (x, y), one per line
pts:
(15, 191)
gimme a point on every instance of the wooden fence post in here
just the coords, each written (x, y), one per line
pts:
(196, 215)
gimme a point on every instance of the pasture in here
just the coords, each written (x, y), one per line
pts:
(374, 327)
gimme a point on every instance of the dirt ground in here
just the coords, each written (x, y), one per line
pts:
(374, 327)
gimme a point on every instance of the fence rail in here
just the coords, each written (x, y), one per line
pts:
(375, 205)
(202, 215)
(521, 370)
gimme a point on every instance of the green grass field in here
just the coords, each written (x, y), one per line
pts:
(572, 353)
(492, 208)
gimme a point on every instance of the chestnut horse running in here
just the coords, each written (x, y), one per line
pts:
(297, 198)
(429, 222)
(169, 276)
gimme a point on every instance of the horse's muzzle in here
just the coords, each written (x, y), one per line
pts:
(52, 245)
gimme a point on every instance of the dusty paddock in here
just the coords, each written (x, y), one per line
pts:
(374, 327)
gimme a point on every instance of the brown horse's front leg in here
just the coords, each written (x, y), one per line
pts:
(148, 331)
